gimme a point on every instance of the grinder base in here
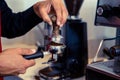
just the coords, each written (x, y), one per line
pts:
(53, 73)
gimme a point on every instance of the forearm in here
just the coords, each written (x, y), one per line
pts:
(17, 24)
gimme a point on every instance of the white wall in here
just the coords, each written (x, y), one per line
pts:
(95, 33)
(87, 13)
(20, 5)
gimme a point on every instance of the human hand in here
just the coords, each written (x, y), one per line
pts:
(56, 7)
(13, 63)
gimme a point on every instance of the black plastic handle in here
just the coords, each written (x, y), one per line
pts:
(38, 54)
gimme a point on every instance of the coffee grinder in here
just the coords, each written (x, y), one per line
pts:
(70, 51)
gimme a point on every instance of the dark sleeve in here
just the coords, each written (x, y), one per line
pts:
(17, 24)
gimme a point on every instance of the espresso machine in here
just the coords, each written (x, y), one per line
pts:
(67, 45)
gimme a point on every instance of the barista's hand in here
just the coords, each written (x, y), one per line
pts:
(45, 8)
(13, 63)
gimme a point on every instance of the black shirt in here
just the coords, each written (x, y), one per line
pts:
(17, 24)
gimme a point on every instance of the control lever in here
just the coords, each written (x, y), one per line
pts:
(38, 54)
(107, 52)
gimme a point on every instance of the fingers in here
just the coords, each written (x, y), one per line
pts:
(29, 63)
(42, 9)
(18, 72)
(45, 17)
(25, 51)
(64, 15)
(61, 11)
(56, 7)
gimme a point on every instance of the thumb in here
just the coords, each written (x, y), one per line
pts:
(26, 51)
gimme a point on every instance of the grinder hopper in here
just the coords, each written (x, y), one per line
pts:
(73, 6)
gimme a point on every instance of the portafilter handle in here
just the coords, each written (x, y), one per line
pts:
(38, 54)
